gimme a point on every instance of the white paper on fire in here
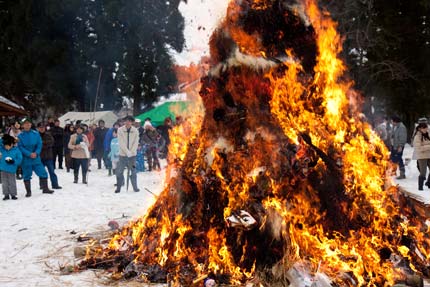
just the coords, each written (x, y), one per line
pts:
(241, 219)
(299, 275)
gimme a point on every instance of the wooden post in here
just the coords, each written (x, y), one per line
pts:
(97, 94)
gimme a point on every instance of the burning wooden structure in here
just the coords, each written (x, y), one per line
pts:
(279, 172)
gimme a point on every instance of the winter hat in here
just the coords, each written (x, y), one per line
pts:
(25, 119)
(147, 124)
(8, 140)
(422, 120)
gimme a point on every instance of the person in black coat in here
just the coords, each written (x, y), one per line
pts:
(69, 129)
(163, 130)
(47, 154)
(99, 137)
(58, 133)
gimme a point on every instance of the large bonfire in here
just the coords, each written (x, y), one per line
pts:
(279, 174)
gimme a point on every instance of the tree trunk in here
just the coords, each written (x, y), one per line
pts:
(137, 97)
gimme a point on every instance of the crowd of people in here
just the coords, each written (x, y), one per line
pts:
(130, 145)
(395, 136)
(26, 148)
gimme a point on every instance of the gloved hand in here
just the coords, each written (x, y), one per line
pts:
(9, 160)
(129, 154)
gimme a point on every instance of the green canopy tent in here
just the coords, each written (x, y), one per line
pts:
(159, 113)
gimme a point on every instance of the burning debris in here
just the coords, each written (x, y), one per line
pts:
(280, 181)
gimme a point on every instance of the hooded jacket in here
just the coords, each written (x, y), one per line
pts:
(14, 153)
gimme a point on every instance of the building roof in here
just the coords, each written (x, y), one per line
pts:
(89, 118)
(10, 108)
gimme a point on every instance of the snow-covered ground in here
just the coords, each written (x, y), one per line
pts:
(38, 234)
(410, 184)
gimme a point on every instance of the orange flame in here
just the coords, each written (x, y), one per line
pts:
(249, 172)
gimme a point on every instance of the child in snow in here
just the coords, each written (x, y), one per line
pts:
(11, 158)
(150, 138)
(114, 150)
(140, 158)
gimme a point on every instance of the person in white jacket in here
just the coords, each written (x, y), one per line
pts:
(422, 152)
(128, 140)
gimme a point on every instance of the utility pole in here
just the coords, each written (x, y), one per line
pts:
(97, 94)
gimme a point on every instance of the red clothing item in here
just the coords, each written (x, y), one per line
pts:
(91, 139)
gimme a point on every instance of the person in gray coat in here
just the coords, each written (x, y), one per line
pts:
(398, 141)
(128, 140)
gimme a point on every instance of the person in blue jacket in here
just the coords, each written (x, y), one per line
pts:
(114, 150)
(11, 158)
(30, 145)
(106, 144)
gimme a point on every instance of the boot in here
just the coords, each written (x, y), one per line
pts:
(157, 166)
(402, 174)
(119, 184)
(110, 172)
(6, 197)
(84, 178)
(427, 182)
(27, 185)
(149, 164)
(76, 175)
(45, 188)
(421, 182)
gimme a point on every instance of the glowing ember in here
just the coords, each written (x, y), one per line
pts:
(279, 170)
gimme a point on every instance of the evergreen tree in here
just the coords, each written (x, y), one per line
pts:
(35, 55)
(53, 52)
(97, 38)
(150, 29)
(387, 47)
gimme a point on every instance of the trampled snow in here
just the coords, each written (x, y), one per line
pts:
(38, 234)
(410, 184)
